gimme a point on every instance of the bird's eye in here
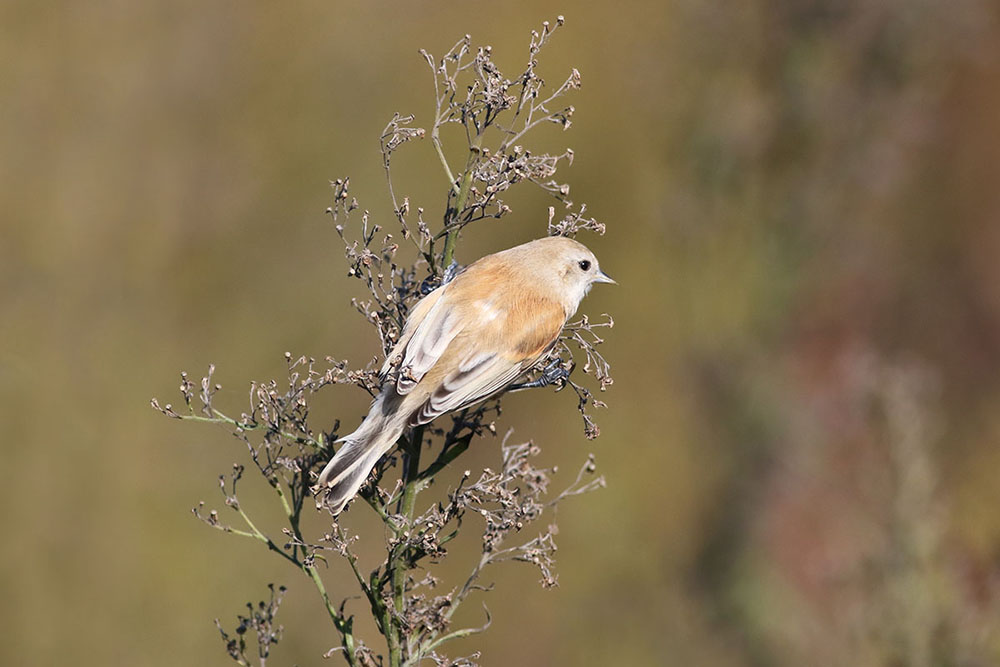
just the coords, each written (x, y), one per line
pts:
(585, 264)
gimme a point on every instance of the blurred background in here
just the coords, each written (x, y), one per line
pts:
(803, 210)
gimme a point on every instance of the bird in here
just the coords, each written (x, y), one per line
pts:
(462, 343)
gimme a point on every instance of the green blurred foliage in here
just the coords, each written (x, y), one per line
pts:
(798, 194)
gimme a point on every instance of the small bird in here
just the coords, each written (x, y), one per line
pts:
(467, 340)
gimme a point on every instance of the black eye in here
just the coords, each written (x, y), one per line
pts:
(585, 264)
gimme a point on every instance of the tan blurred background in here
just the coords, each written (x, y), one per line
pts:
(803, 208)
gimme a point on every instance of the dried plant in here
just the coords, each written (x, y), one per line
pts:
(261, 621)
(411, 608)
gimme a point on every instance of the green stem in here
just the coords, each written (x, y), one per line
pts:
(399, 558)
(436, 140)
(412, 473)
(452, 221)
(219, 418)
(344, 625)
(451, 217)
(258, 534)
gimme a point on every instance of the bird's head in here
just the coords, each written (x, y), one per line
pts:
(567, 266)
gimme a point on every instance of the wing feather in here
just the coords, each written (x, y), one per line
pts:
(413, 321)
(427, 334)
(461, 389)
(428, 343)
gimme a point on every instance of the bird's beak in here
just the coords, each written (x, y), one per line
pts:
(602, 277)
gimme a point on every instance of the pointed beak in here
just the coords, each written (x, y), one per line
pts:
(602, 277)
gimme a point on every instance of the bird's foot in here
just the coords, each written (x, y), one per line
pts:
(555, 373)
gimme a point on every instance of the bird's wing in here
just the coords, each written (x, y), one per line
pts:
(466, 388)
(492, 357)
(435, 322)
(428, 330)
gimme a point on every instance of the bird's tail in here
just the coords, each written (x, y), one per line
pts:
(360, 451)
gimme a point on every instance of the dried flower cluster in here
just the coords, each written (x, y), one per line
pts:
(414, 611)
(261, 621)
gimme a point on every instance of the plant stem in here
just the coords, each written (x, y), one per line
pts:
(452, 220)
(412, 473)
(219, 418)
(344, 625)
(451, 217)
(436, 140)
(399, 558)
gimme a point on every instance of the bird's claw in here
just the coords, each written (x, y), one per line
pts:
(555, 373)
